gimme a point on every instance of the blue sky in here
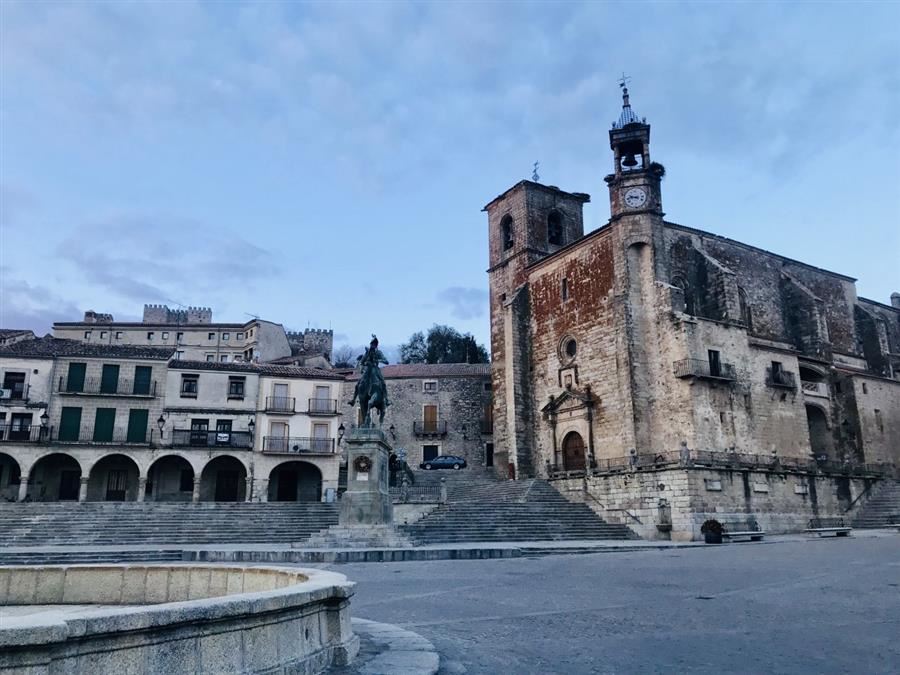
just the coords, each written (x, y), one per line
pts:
(326, 164)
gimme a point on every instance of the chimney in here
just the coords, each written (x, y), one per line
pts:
(895, 299)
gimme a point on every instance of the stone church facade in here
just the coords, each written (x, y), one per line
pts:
(648, 344)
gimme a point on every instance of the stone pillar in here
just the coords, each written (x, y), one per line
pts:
(248, 492)
(367, 500)
(23, 488)
(195, 497)
(82, 490)
(142, 488)
(262, 490)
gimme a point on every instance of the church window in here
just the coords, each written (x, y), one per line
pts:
(746, 316)
(506, 232)
(555, 228)
(565, 289)
(568, 348)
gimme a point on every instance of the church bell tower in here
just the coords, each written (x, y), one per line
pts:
(634, 188)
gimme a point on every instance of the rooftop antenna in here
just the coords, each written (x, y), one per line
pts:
(534, 173)
(253, 316)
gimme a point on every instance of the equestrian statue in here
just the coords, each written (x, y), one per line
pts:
(371, 391)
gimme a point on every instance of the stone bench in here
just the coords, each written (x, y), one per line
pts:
(742, 529)
(828, 526)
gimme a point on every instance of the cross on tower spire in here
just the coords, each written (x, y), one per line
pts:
(534, 174)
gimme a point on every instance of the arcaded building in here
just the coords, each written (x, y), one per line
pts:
(647, 343)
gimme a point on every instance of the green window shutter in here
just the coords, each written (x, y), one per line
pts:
(137, 426)
(109, 380)
(142, 380)
(69, 424)
(104, 423)
(75, 380)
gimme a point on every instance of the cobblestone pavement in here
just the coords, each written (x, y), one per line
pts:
(811, 606)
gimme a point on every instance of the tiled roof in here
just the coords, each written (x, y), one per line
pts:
(433, 370)
(49, 347)
(9, 332)
(259, 368)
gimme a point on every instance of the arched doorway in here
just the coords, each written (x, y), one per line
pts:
(113, 478)
(170, 479)
(295, 482)
(55, 477)
(223, 479)
(821, 441)
(10, 477)
(573, 452)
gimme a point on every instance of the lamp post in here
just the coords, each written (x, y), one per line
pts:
(393, 431)
(45, 419)
(161, 424)
(251, 426)
(341, 433)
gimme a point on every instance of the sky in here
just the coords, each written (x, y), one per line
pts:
(325, 165)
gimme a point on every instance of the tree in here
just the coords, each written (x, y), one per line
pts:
(443, 344)
(344, 357)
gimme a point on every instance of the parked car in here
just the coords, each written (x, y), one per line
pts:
(444, 462)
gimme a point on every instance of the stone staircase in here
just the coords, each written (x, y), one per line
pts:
(51, 557)
(882, 509)
(481, 508)
(161, 523)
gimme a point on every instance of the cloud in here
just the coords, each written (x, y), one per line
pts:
(465, 303)
(159, 259)
(26, 305)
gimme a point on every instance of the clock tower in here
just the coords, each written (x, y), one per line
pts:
(634, 188)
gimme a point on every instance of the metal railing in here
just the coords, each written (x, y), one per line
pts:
(285, 404)
(704, 369)
(295, 445)
(418, 494)
(30, 433)
(88, 435)
(780, 378)
(187, 438)
(814, 388)
(322, 406)
(18, 393)
(96, 386)
(429, 428)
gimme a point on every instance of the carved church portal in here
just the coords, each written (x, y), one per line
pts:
(573, 452)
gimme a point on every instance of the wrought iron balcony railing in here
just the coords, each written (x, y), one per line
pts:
(704, 370)
(780, 378)
(16, 394)
(28, 433)
(96, 386)
(298, 445)
(430, 428)
(322, 406)
(89, 435)
(280, 404)
(188, 438)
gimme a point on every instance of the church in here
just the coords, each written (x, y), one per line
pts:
(665, 373)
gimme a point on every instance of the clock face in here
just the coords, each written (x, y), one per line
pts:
(635, 198)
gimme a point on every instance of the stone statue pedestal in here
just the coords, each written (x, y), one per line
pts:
(367, 500)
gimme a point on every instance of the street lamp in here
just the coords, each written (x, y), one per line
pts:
(393, 431)
(45, 419)
(341, 433)
(251, 425)
(161, 424)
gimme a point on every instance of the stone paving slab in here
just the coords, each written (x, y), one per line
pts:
(385, 649)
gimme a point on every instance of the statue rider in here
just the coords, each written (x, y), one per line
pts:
(370, 373)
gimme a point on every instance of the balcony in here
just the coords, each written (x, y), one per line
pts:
(187, 438)
(280, 404)
(780, 379)
(88, 435)
(14, 394)
(16, 433)
(814, 389)
(97, 387)
(297, 445)
(322, 406)
(430, 428)
(703, 370)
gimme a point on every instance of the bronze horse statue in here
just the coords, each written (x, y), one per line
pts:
(371, 390)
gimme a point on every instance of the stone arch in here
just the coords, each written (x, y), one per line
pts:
(113, 478)
(10, 478)
(295, 481)
(54, 477)
(821, 440)
(573, 452)
(223, 479)
(555, 228)
(170, 479)
(507, 235)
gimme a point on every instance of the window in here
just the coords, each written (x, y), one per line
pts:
(429, 386)
(75, 378)
(119, 335)
(487, 386)
(179, 336)
(237, 357)
(179, 355)
(109, 379)
(506, 232)
(15, 382)
(776, 370)
(430, 419)
(223, 358)
(87, 335)
(223, 432)
(555, 228)
(142, 377)
(251, 332)
(239, 336)
(568, 349)
(211, 336)
(150, 334)
(865, 388)
(715, 364)
(189, 386)
(103, 334)
(746, 315)
(137, 425)
(878, 421)
(565, 289)
(104, 423)
(165, 335)
(225, 336)
(210, 357)
(236, 387)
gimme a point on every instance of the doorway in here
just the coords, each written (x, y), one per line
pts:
(69, 482)
(429, 452)
(573, 452)
(489, 454)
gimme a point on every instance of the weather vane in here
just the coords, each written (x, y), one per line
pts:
(624, 80)
(534, 174)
